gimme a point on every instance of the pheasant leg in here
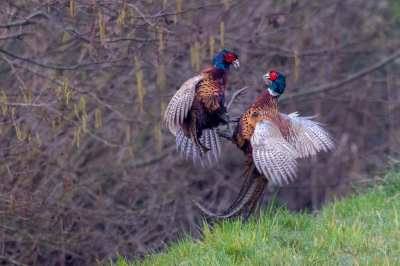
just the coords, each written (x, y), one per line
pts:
(226, 136)
(234, 119)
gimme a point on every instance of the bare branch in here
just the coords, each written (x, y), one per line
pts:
(60, 67)
(352, 77)
(25, 21)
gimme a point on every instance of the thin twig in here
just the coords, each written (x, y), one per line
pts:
(25, 21)
(12, 261)
(58, 67)
(235, 95)
(93, 95)
(143, 16)
(14, 36)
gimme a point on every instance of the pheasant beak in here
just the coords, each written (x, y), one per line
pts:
(267, 79)
(236, 63)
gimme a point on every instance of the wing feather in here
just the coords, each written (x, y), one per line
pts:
(272, 154)
(189, 149)
(208, 144)
(183, 145)
(210, 138)
(180, 104)
(307, 136)
(179, 138)
(214, 145)
(218, 140)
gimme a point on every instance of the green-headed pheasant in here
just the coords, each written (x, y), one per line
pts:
(197, 109)
(272, 142)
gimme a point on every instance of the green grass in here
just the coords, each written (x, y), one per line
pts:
(358, 230)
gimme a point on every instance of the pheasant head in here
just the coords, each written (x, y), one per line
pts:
(226, 58)
(278, 83)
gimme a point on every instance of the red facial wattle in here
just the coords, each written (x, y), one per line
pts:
(273, 75)
(230, 57)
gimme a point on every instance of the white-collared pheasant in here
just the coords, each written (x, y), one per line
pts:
(272, 142)
(197, 109)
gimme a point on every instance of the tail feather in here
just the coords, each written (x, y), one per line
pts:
(207, 145)
(251, 192)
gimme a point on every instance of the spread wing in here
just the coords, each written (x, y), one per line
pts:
(272, 154)
(307, 136)
(180, 104)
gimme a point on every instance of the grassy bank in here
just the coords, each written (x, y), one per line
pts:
(358, 230)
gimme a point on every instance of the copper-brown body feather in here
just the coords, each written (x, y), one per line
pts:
(211, 90)
(208, 103)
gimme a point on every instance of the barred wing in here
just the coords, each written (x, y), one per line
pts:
(272, 154)
(307, 136)
(180, 104)
(210, 138)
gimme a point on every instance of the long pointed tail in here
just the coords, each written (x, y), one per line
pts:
(251, 192)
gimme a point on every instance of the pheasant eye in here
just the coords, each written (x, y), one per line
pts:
(230, 57)
(273, 75)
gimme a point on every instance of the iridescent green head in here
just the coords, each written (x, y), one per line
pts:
(226, 58)
(278, 83)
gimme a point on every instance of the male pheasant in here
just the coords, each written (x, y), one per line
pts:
(197, 109)
(272, 142)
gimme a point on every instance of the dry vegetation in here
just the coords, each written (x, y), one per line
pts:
(87, 167)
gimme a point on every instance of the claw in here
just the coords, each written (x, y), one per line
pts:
(226, 136)
(234, 119)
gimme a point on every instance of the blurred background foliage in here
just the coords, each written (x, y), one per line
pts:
(87, 167)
